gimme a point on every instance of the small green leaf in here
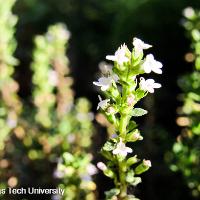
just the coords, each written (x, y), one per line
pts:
(109, 173)
(130, 176)
(132, 160)
(143, 167)
(137, 112)
(139, 94)
(136, 181)
(111, 193)
(108, 146)
(107, 154)
(131, 126)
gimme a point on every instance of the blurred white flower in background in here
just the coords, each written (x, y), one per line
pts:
(189, 12)
(53, 77)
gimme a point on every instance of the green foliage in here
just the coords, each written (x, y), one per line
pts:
(123, 91)
(186, 150)
(10, 105)
(58, 129)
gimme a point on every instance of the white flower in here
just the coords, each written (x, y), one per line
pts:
(101, 166)
(64, 34)
(131, 100)
(121, 149)
(147, 163)
(137, 136)
(71, 138)
(149, 85)
(150, 64)
(91, 169)
(103, 104)
(105, 68)
(104, 82)
(12, 123)
(188, 12)
(58, 174)
(139, 46)
(115, 77)
(120, 55)
(53, 77)
(111, 110)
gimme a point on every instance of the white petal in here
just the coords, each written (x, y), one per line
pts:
(157, 70)
(100, 99)
(116, 151)
(111, 57)
(115, 77)
(129, 150)
(157, 85)
(151, 90)
(96, 83)
(104, 88)
(150, 81)
(147, 69)
(123, 153)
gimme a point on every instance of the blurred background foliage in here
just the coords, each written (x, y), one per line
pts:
(97, 29)
(186, 151)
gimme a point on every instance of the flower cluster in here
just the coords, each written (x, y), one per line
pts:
(123, 86)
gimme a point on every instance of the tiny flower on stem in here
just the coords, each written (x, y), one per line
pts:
(147, 163)
(189, 12)
(139, 46)
(150, 64)
(103, 104)
(111, 110)
(101, 166)
(148, 85)
(137, 136)
(115, 77)
(120, 55)
(105, 68)
(131, 100)
(122, 149)
(105, 82)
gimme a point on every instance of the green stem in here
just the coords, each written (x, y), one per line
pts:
(122, 126)
(122, 179)
(123, 185)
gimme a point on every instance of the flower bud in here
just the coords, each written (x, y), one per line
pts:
(101, 166)
(134, 136)
(132, 160)
(144, 166)
(131, 100)
(111, 110)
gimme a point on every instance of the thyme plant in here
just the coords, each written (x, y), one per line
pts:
(69, 121)
(186, 149)
(75, 169)
(10, 105)
(123, 87)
